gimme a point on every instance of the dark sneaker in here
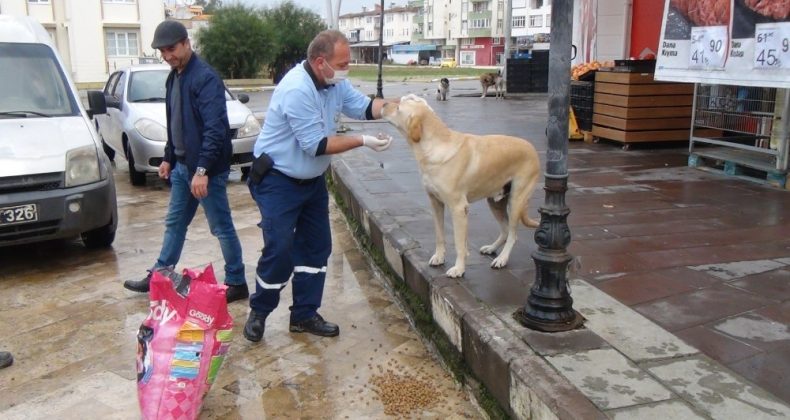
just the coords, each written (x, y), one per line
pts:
(140, 286)
(253, 329)
(6, 359)
(237, 292)
(315, 325)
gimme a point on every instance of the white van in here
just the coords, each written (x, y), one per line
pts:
(55, 180)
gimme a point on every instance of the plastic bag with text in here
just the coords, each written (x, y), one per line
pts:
(182, 343)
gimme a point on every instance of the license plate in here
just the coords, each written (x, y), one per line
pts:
(18, 214)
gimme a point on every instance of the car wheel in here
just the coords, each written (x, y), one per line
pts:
(136, 177)
(100, 237)
(108, 150)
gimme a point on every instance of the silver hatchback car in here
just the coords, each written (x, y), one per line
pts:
(135, 123)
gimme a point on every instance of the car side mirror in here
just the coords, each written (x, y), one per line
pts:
(243, 98)
(96, 103)
(112, 102)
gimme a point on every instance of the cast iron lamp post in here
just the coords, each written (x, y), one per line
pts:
(379, 94)
(549, 306)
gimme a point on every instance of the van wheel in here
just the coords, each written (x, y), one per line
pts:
(136, 177)
(99, 238)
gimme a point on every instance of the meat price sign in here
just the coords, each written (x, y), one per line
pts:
(739, 42)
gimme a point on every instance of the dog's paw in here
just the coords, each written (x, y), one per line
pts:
(488, 249)
(455, 272)
(436, 259)
(499, 262)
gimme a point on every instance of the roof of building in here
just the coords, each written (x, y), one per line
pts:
(399, 9)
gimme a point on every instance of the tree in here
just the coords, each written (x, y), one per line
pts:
(209, 6)
(293, 27)
(237, 43)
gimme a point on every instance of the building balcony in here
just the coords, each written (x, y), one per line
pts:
(479, 15)
(479, 32)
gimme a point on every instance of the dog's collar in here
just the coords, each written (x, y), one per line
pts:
(309, 70)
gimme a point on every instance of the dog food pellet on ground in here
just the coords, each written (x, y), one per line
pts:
(402, 394)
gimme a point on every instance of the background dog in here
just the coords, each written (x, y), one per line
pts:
(443, 90)
(460, 168)
(493, 79)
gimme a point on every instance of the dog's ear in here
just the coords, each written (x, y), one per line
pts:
(415, 128)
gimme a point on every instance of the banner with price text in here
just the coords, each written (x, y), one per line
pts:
(737, 42)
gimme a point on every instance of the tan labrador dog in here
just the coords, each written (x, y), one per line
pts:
(460, 168)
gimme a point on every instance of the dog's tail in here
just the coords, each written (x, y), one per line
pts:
(525, 219)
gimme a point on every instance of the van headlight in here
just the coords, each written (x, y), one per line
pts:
(151, 129)
(82, 166)
(250, 128)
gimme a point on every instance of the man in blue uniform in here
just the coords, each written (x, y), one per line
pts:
(299, 136)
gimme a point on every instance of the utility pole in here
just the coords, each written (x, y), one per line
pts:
(506, 32)
(379, 93)
(549, 306)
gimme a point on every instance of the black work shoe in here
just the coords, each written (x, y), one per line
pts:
(253, 329)
(6, 359)
(140, 286)
(236, 292)
(315, 325)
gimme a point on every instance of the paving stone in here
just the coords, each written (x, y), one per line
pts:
(665, 410)
(768, 369)
(634, 335)
(755, 329)
(718, 346)
(738, 269)
(717, 391)
(609, 379)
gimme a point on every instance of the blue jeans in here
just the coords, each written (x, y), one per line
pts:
(183, 206)
(297, 243)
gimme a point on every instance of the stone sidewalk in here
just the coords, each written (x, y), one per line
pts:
(683, 280)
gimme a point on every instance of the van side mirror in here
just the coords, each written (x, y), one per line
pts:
(96, 103)
(243, 98)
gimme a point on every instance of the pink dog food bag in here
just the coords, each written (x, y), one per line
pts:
(182, 343)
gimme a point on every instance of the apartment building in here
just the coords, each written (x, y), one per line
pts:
(531, 23)
(95, 37)
(362, 30)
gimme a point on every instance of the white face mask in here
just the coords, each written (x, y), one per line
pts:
(340, 75)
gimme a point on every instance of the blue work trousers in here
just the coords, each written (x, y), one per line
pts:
(297, 243)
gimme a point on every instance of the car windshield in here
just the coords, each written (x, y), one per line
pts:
(148, 86)
(32, 84)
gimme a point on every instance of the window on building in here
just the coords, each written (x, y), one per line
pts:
(519, 21)
(38, 1)
(481, 6)
(368, 34)
(369, 19)
(121, 44)
(430, 27)
(535, 21)
(481, 23)
(464, 26)
(496, 41)
(467, 41)
(499, 25)
(467, 58)
(389, 33)
(500, 59)
(390, 18)
(548, 20)
(536, 4)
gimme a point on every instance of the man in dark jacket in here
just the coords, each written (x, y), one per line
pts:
(197, 157)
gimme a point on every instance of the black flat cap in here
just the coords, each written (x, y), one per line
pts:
(168, 33)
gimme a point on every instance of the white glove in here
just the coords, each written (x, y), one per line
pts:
(379, 143)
